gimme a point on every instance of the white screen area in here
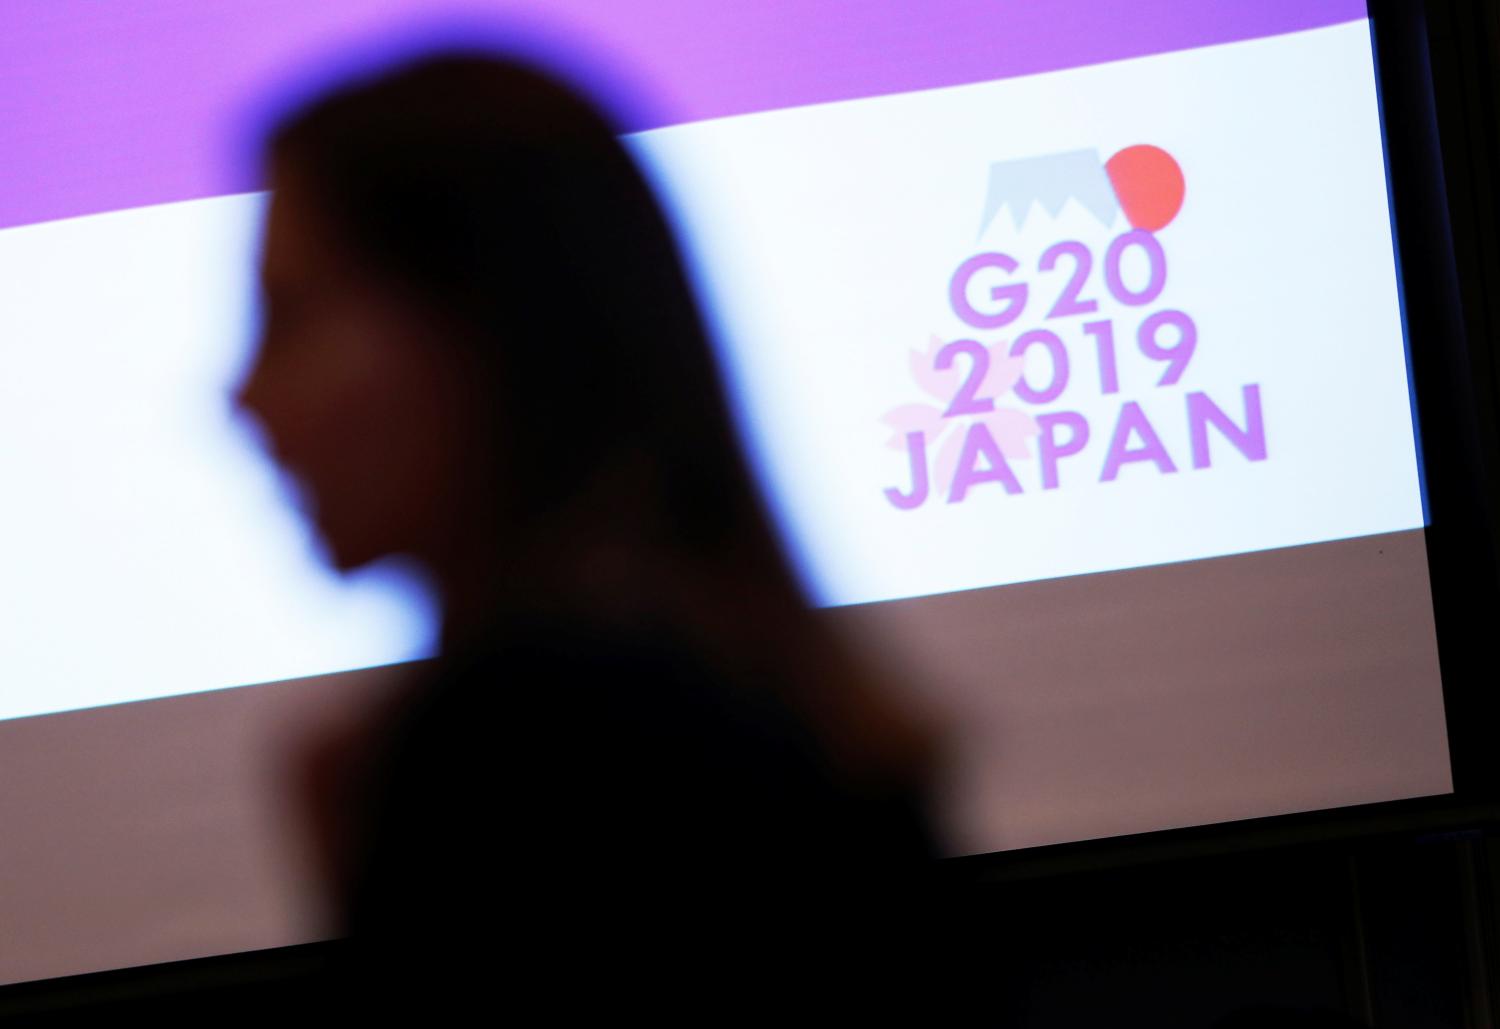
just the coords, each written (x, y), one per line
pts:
(832, 237)
(149, 548)
(828, 240)
(1080, 396)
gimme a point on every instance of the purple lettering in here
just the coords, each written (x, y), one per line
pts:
(1050, 450)
(1178, 354)
(1156, 278)
(1013, 296)
(964, 400)
(1104, 339)
(1249, 441)
(1133, 420)
(1059, 354)
(1068, 303)
(979, 443)
(916, 451)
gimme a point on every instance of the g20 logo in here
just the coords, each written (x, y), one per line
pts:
(969, 440)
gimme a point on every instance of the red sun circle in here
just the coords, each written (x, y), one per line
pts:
(1148, 184)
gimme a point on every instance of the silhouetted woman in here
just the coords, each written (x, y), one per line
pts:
(640, 764)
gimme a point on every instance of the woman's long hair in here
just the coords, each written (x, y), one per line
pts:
(504, 202)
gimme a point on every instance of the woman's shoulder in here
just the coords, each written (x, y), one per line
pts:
(564, 781)
(631, 697)
(638, 732)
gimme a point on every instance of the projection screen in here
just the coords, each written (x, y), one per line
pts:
(1066, 340)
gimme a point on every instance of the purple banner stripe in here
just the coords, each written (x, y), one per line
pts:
(123, 104)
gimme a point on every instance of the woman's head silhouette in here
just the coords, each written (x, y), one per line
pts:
(481, 350)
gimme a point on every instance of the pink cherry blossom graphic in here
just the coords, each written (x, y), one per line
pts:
(1012, 428)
